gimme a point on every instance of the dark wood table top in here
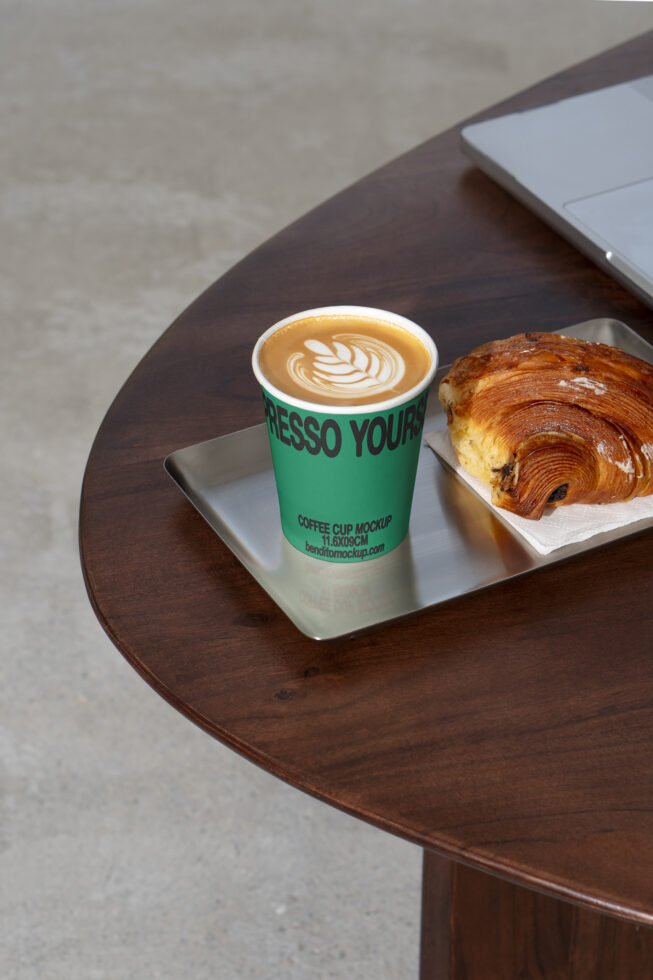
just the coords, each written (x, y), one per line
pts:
(511, 729)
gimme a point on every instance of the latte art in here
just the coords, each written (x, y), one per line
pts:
(343, 359)
(353, 364)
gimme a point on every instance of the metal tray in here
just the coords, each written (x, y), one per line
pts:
(455, 545)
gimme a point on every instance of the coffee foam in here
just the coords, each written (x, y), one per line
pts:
(340, 359)
(350, 366)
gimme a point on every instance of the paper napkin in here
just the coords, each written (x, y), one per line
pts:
(559, 526)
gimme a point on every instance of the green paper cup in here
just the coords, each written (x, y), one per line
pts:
(345, 471)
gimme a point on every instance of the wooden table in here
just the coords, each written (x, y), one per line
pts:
(508, 733)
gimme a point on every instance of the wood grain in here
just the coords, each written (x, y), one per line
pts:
(478, 927)
(511, 729)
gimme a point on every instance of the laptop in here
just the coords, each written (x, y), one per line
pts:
(584, 165)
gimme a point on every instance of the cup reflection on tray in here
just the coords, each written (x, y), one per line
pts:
(352, 596)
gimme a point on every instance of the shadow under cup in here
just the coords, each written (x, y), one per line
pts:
(345, 475)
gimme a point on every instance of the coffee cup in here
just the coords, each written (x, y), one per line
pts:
(345, 391)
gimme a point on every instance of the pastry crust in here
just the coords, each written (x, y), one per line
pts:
(550, 420)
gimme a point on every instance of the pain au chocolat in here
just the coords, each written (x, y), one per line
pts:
(547, 420)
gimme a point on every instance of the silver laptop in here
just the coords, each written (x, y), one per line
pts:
(585, 165)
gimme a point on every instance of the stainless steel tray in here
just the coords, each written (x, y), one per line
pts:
(455, 545)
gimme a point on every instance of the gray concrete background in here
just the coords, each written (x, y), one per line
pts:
(146, 146)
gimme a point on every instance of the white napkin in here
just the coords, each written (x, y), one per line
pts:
(558, 526)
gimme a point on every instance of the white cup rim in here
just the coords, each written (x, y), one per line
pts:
(323, 408)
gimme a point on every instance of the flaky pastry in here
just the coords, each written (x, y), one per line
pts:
(547, 420)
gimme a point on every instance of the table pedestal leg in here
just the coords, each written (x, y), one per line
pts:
(477, 927)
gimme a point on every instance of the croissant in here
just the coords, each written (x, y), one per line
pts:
(547, 420)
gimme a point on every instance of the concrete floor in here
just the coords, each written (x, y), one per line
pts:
(146, 146)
